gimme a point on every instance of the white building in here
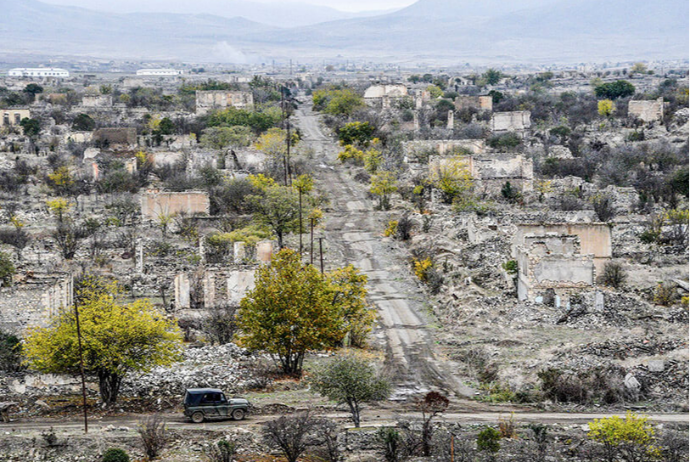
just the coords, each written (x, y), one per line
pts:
(159, 72)
(38, 72)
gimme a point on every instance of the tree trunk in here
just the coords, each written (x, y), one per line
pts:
(109, 386)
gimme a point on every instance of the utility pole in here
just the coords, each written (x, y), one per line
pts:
(299, 193)
(321, 252)
(311, 245)
(81, 368)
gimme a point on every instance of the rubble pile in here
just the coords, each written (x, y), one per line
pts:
(622, 349)
(227, 367)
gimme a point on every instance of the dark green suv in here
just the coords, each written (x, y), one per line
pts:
(210, 403)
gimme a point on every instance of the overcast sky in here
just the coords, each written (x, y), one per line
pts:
(344, 5)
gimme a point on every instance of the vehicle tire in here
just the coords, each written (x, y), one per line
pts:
(238, 414)
(198, 417)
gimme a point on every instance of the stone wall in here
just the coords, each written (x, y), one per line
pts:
(222, 99)
(12, 117)
(212, 288)
(412, 150)
(492, 173)
(154, 203)
(34, 300)
(126, 136)
(482, 103)
(511, 121)
(647, 111)
(97, 101)
(375, 92)
(595, 238)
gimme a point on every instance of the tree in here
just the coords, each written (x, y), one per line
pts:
(383, 185)
(434, 403)
(166, 126)
(359, 133)
(338, 102)
(117, 338)
(289, 311)
(614, 90)
(83, 123)
(278, 208)
(291, 434)
(349, 295)
(452, 178)
(606, 107)
(32, 90)
(352, 381)
(630, 439)
(7, 270)
(434, 91)
(222, 137)
(31, 127)
(638, 68)
(303, 184)
(492, 76)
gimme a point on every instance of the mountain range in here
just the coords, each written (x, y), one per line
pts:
(487, 31)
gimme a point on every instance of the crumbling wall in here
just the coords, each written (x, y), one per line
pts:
(12, 117)
(647, 111)
(97, 101)
(490, 174)
(380, 91)
(221, 99)
(412, 150)
(125, 136)
(155, 204)
(514, 121)
(595, 238)
(482, 103)
(33, 301)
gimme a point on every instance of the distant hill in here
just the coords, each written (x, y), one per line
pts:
(490, 31)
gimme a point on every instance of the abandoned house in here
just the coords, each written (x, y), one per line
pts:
(155, 204)
(222, 99)
(482, 103)
(515, 121)
(12, 117)
(647, 111)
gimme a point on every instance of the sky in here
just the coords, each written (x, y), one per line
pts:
(343, 5)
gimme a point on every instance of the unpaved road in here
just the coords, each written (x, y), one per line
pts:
(353, 232)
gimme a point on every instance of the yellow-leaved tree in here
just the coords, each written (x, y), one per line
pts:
(117, 338)
(452, 178)
(293, 308)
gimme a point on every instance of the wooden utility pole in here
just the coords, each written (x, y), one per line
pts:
(311, 245)
(81, 368)
(452, 448)
(299, 194)
(321, 252)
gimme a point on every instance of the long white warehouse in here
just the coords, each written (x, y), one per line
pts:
(38, 72)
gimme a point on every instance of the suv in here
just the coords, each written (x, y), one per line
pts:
(210, 403)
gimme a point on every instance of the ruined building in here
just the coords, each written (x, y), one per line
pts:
(12, 117)
(647, 111)
(516, 121)
(207, 101)
(557, 260)
(481, 103)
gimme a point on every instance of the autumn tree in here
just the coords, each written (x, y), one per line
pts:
(352, 381)
(606, 107)
(452, 178)
(303, 184)
(117, 338)
(360, 133)
(349, 295)
(289, 312)
(383, 185)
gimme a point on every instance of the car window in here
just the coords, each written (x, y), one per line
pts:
(208, 398)
(222, 398)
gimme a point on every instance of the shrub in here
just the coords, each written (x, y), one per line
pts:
(404, 228)
(10, 352)
(153, 435)
(290, 434)
(391, 441)
(392, 229)
(508, 141)
(603, 207)
(220, 325)
(630, 439)
(506, 427)
(511, 267)
(510, 194)
(422, 267)
(115, 455)
(7, 269)
(489, 440)
(665, 294)
(222, 451)
(614, 275)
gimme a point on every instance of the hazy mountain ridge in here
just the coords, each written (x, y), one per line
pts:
(527, 30)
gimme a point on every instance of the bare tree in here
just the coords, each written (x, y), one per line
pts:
(291, 434)
(220, 325)
(153, 434)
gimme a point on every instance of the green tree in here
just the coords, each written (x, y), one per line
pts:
(383, 185)
(359, 133)
(222, 137)
(32, 90)
(166, 126)
(614, 90)
(434, 91)
(492, 76)
(630, 439)
(352, 381)
(289, 311)
(7, 270)
(117, 338)
(278, 208)
(31, 127)
(338, 102)
(83, 123)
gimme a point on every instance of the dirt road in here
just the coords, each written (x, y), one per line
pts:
(352, 232)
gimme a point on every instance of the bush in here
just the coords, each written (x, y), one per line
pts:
(391, 441)
(222, 451)
(603, 207)
(489, 440)
(404, 228)
(507, 141)
(220, 325)
(630, 439)
(614, 275)
(153, 435)
(511, 267)
(7, 270)
(115, 455)
(665, 294)
(10, 352)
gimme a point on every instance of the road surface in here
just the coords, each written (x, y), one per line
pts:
(353, 232)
